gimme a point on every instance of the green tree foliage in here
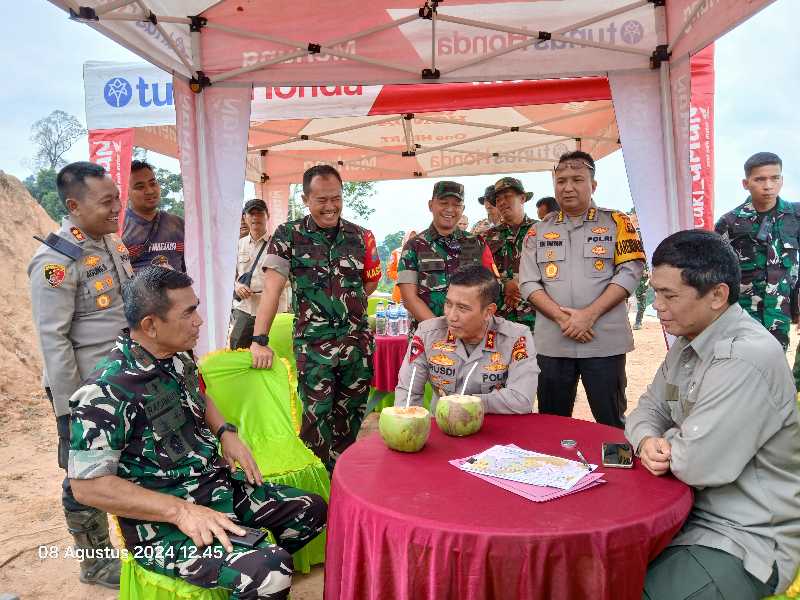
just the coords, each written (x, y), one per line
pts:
(53, 136)
(355, 197)
(171, 191)
(42, 186)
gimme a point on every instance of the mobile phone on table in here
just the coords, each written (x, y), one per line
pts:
(250, 539)
(617, 455)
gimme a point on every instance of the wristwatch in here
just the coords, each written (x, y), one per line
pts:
(226, 427)
(261, 340)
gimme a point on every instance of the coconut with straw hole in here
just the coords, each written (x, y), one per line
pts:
(405, 428)
(459, 414)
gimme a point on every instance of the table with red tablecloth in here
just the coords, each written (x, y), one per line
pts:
(413, 527)
(389, 353)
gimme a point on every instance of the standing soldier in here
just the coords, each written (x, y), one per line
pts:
(578, 267)
(333, 265)
(765, 232)
(505, 241)
(641, 297)
(492, 214)
(153, 236)
(428, 260)
(75, 279)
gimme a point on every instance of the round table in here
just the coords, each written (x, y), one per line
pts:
(413, 527)
(388, 357)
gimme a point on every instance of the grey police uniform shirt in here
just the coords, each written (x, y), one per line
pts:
(505, 369)
(574, 262)
(77, 307)
(726, 403)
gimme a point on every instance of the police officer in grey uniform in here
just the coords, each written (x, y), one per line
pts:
(75, 279)
(578, 266)
(495, 357)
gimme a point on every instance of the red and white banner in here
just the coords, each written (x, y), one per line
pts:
(113, 150)
(701, 139)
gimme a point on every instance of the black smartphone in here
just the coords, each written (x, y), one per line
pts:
(617, 455)
(250, 539)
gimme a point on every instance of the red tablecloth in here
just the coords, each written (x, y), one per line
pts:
(413, 527)
(389, 353)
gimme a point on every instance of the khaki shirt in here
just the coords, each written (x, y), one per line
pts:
(77, 307)
(248, 250)
(505, 376)
(574, 262)
(727, 405)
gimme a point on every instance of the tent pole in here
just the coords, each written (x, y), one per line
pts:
(205, 215)
(669, 148)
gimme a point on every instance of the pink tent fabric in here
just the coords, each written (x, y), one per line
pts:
(643, 48)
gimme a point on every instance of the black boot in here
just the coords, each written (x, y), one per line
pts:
(89, 528)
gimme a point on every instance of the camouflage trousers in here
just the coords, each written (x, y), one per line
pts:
(641, 303)
(333, 378)
(293, 516)
(763, 307)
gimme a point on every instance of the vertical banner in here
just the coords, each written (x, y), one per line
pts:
(680, 81)
(636, 97)
(701, 138)
(212, 145)
(113, 150)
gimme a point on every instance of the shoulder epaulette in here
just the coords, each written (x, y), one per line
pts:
(62, 246)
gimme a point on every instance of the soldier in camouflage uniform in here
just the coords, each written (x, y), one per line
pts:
(506, 241)
(333, 265)
(75, 279)
(144, 447)
(765, 233)
(641, 297)
(492, 215)
(428, 260)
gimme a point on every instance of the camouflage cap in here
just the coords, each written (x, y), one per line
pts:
(510, 182)
(488, 194)
(448, 188)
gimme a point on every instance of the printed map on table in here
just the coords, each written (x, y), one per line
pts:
(525, 466)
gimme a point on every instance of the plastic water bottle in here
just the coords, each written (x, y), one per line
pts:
(380, 319)
(403, 320)
(393, 320)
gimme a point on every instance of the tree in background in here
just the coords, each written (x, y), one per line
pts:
(42, 186)
(171, 185)
(355, 196)
(54, 135)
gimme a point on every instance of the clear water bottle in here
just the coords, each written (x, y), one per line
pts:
(380, 319)
(403, 320)
(393, 320)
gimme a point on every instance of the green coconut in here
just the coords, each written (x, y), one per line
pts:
(405, 429)
(459, 415)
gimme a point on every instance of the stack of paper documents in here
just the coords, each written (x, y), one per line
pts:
(532, 475)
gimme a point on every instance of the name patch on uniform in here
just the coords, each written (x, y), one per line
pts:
(417, 348)
(552, 235)
(91, 261)
(550, 270)
(54, 274)
(96, 271)
(520, 349)
(440, 370)
(599, 230)
(103, 301)
(442, 360)
(77, 234)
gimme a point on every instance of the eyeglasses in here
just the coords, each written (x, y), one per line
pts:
(574, 164)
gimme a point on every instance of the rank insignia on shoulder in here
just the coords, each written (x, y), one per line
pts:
(490, 339)
(417, 348)
(54, 274)
(531, 233)
(520, 350)
(103, 301)
(591, 214)
(77, 234)
(91, 261)
(551, 270)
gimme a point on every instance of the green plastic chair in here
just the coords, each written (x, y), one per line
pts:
(259, 402)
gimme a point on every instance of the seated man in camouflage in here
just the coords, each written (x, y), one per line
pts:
(494, 357)
(144, 447)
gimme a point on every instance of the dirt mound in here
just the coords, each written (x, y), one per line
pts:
(21, 218)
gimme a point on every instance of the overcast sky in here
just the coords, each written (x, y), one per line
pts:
(757, 91)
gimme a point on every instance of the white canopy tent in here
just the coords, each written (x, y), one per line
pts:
(219, 51)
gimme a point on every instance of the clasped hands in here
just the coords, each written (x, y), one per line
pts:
(576, 323)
